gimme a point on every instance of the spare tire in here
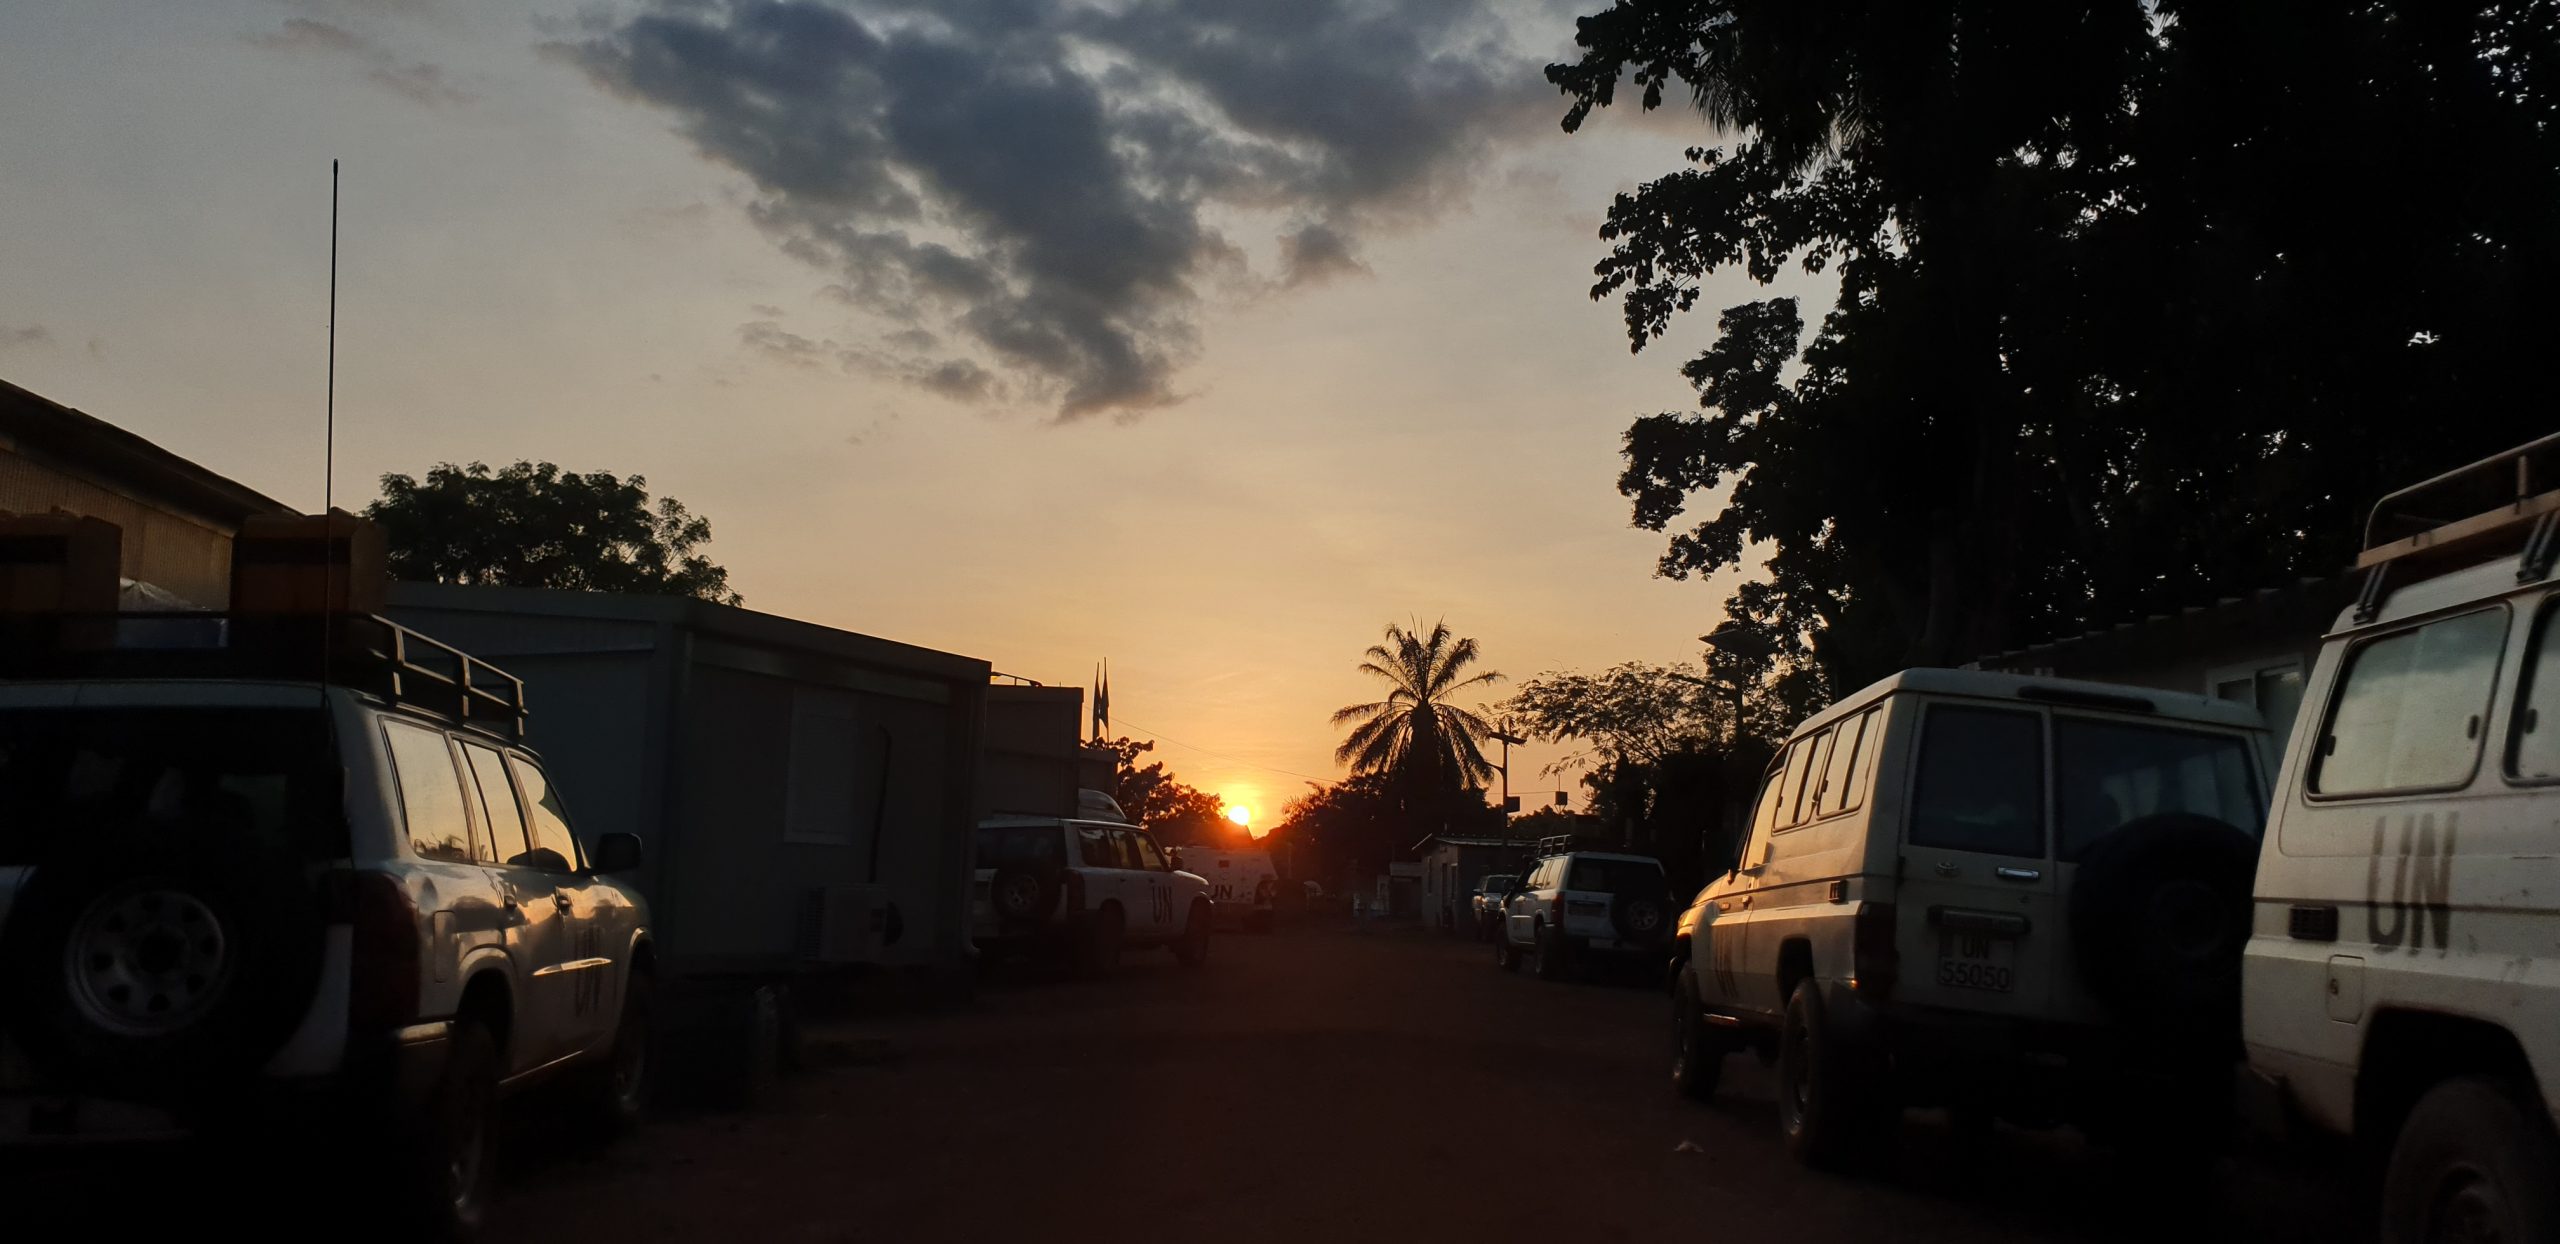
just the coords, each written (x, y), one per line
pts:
(1640, 918)
(157, 956)
(2160, 913)
(1022, 895)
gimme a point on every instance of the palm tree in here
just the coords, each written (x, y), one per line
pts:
(1423, 742)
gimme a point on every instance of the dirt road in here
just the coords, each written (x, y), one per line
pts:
(1331, 1085)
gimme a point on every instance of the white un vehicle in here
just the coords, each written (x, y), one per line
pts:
(1575, 904)
(2403, 979)
(1084, 888)
(2010, 896)
(232, 891)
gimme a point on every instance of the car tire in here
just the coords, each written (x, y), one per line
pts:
(618, 1090)
(1551, 962)
(447, 1171)
(2160, 912)
(2473, 1162)
(81, 961)
(1505, 955)
(1697, 1050)
(1832, 1113)
(1100, 951)
(1191, 950)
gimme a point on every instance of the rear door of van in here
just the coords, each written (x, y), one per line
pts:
(1979, 917)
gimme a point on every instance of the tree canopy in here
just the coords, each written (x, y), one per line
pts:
(2139, 303)
(535, 525)
(1177, 813)
(1416, 734)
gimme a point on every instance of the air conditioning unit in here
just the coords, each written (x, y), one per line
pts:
(844, 923)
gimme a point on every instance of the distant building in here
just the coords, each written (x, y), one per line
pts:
(1453, 866)
(178, 518)
(2255, 649)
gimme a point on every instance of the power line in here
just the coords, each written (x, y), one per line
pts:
(1159, 738)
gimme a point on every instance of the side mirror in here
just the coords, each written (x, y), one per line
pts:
(617, 853)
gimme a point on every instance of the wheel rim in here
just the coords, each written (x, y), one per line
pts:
(470, 1157)
(2467, 1210)
(1794, 1086)
(146, 959)
(630, 1064)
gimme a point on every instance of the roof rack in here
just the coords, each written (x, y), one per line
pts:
(362, 651)
(1559, 844)
(2467, 516)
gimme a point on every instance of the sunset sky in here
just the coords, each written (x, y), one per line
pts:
(1207, 336)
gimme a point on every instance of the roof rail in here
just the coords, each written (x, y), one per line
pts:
(1558, 844)
(2467, 516)
(2463, 506)
(362, 651)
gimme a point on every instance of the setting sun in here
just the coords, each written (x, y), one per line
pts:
(1240, 814)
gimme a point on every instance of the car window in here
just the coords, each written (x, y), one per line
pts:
(1981, 781)
(2533, 749)
(2408, 710)
(545, 815)
(1093, 848)
(1614, 876)
(430, 792)
(2109, 773)
(500, 814)
(1033, 846)
(1124, 849)
(1149, 857)
(1802, 798)
(1840, 777)
(1791, 784)
(253, 779)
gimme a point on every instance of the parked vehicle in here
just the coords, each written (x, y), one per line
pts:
(2399, 984)
(1085, 889)
(1244, 887)
(232, 890)
(2015, 897)
(1576, 903)
(1484, 907)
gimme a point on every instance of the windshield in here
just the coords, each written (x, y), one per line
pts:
(1497, 883)
(264, 777)
(2111, 773)
(1029, 846)
(1615, 876)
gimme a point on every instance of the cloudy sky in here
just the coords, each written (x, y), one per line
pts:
(1208, 336)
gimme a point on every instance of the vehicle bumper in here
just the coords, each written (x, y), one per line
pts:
(389, 1076)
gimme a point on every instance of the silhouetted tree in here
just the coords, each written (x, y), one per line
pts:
(1426, 743)
(1177, 813)
(2116, 328)
(535, 525)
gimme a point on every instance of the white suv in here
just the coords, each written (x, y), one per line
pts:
(2402, 985)
(225, 893)
(1087, 888)
(2010, 896)
(1578, 903)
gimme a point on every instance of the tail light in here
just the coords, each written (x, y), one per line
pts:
(1075, 892)
(1873, 962)
(1558, 917)
(388, 952)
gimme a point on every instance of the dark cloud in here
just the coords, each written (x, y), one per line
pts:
(955, 379)
(416, 81)
(1317, 253)
(1037, 178)
(31, 335)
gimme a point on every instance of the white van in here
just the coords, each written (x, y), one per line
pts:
(2403, 979)
(1242, 883)
(2012, 896)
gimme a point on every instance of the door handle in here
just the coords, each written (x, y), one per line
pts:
(2018, 874)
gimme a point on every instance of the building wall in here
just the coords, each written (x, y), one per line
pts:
(184, 553)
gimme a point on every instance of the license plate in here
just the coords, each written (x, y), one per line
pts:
(1977, 961)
